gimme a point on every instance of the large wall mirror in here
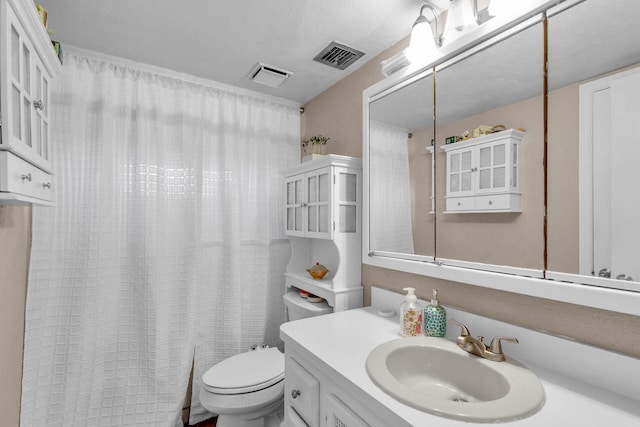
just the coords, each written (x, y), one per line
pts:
(594, 143)
(401, 220)
(501, 83)
(591, 205)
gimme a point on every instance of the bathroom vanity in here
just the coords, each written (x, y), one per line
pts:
(326, 382)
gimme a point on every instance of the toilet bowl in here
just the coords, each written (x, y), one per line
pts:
(247, 390)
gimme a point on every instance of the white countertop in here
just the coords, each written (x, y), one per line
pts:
(341, 342)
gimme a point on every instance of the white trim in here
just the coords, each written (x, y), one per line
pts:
(171, 74)
(616, 300)
(520, 271)
(594, 281)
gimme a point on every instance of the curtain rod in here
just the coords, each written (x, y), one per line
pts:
(172, 74)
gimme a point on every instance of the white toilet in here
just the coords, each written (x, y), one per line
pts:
(247, 390)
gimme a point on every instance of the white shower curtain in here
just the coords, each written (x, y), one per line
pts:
(166, 244)
(390, 201)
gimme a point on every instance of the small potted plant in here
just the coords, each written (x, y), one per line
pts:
(317, 143)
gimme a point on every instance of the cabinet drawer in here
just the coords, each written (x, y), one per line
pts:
(20, 177)
(462, 204)
(302, 393)
(504, 202)
(340, 415)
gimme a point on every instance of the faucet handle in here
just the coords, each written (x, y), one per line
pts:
(496, 346)
(465, 331)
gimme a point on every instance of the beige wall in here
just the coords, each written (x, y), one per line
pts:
(337, 113)
(15, 238)
(514, 239)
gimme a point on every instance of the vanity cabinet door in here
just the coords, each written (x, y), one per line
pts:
(340, 415)
(302, 395)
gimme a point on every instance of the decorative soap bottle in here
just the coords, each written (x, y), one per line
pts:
(410, 315)
(435, 318)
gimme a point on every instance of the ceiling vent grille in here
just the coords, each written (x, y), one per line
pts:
(338, 56)
(268, 75)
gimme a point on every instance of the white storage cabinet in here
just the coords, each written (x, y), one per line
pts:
(323, 223)
(28, 64)
(483, 174)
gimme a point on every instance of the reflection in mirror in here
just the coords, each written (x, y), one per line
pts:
(594, 106)
(400, 129)
(489, 194)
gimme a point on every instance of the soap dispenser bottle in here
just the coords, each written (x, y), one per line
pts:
(435, 318)
(410, 315)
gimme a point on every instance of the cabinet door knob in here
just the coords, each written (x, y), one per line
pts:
(26, 177)
(46, 185)
(303, 205)
(295, 393)
(38, 105)
(490, 202)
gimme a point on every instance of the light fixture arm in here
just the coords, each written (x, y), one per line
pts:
(437, 38)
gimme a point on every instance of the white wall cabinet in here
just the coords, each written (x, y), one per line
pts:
(483, 173)
(28, 65)
(323, 223)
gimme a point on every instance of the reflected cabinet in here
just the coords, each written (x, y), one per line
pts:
(482, 173)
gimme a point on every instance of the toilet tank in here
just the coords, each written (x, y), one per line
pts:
(299, 308)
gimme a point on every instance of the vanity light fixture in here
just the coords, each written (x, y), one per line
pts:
(423, 43)
(462, 16)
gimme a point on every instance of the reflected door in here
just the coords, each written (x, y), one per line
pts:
(615, 111)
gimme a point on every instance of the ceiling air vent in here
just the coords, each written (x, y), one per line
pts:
(338, 55)
(268, 75)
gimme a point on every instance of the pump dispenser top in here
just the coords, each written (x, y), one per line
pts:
(410, 315)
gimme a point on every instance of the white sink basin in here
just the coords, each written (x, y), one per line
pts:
(435, 376)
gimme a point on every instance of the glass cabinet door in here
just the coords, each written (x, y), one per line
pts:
(347, 202)
(27, 115)
(460, 172)
(492, 167)
(294, 206)
(319, 222)
(41, 113)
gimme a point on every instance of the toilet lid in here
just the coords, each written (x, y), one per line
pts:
(245, 372)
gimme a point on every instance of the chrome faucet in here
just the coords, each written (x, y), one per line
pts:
(477, 346)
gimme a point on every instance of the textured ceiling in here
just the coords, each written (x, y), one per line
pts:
(223, 40)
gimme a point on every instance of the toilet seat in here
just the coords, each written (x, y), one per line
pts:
(245, 372)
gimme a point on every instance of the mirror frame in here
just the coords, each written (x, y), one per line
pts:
(616, 300)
